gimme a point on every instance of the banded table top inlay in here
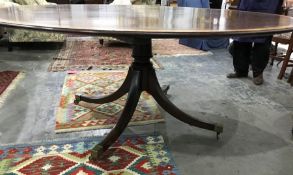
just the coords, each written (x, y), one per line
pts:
(147, 21)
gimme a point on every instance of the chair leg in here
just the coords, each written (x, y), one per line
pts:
(286, 61)
(275, 51)
(101, 41)
(9, 47)
(290, 79)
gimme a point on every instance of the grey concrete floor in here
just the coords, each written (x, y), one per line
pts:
(257, 119)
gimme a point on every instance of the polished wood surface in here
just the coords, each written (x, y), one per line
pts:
(147, 21)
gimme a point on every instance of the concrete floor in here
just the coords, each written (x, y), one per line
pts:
(257, 119)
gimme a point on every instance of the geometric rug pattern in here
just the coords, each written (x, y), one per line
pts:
(130, 155)
(85, 116)
(8, 81)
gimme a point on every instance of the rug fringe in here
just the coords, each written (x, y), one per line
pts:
(10, 87)
(187, 54)
(60, 131)
(119, 67)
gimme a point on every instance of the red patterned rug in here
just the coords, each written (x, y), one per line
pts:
(85, 116)
(130, 155)
(8, 80)
(87, 54)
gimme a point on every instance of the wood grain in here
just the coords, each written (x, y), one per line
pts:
(146, 21)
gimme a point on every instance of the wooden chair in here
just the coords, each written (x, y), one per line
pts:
(290, 80)
(286, 38)
(231, 4)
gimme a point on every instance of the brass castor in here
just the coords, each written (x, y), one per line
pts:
(219, 130)
(77, 99)
(96, 153)
(165, 89)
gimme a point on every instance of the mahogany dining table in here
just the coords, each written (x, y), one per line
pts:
(138, 24)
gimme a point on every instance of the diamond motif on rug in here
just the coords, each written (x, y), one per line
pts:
(90, 90)
(83, 169)
(115, 159)
(128, 156)
(142, 166)
(86, 79)
(78, 111)
(109, 108)
(47, 165)
(85, 116)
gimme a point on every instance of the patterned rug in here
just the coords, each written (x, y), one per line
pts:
(8, 81)
(130, 155)
(71, 117)
(171, 47)
(88, 54)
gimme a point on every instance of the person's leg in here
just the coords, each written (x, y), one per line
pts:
(259, 59)
(241, 59)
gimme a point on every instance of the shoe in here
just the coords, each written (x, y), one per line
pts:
(236, 75)
(258, 80)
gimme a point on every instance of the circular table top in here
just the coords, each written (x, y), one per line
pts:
(147, 21)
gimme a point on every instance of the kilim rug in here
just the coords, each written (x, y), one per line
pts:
(84, 116)
(8, 80)
(88, 54)
(130, 155)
